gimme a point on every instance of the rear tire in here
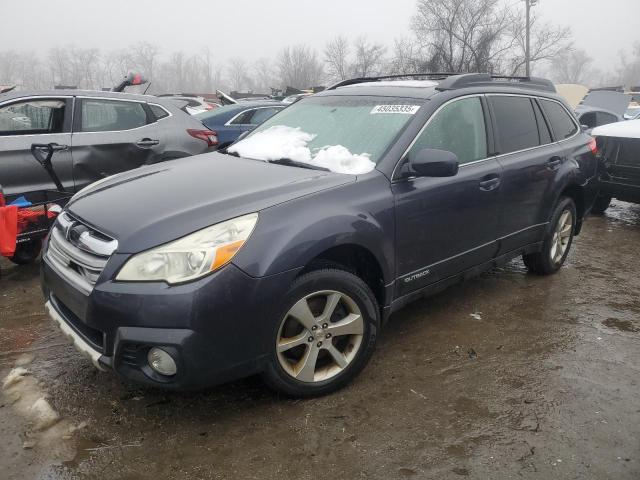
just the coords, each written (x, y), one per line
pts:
(557, 241)
(323, 335)
(601, 204)
(27, 252)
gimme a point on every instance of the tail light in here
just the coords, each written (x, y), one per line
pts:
(208, 136)
(2, 200)
(593, 145)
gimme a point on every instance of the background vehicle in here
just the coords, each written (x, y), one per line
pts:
(619, 154)
(294, 98)
(275, 264)
(195, 104)
(601, 107)
(231, 121)
(95, 135)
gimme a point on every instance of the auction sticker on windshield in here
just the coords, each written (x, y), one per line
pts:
(406, 109)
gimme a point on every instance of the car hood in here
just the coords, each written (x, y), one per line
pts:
(156, 204)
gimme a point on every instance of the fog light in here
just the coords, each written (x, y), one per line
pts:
(161, 362)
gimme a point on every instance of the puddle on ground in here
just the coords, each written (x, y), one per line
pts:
(622, 325)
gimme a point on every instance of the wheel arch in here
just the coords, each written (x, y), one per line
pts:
(577, 194)
(356, 259)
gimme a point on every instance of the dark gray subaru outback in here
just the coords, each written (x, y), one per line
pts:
(286, 253)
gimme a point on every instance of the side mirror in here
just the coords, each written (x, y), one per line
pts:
(430, 162)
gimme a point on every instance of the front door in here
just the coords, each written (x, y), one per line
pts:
(448, 225)
(23, 123)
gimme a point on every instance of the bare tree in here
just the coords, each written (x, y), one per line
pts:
(571, 66)
(405, 57)
(264, 75)
(369, 58)
(237, 74)
(629, 71)
(299, 67)
(547, 42)
(461, 35)
(336, 58)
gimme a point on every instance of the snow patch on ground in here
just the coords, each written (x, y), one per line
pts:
(281, 141)
(44, 427)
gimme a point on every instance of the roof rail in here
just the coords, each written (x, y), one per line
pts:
(427, 76)
(484, 79)
(453, 80)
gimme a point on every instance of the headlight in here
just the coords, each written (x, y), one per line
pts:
(192, 256)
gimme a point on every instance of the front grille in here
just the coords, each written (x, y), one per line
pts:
(78, 252)
(94, 337)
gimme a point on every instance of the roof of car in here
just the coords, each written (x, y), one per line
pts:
(76, 93)
(425, 85)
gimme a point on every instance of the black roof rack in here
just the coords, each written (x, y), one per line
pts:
(414, 76)
(487, 80)
(452, 81)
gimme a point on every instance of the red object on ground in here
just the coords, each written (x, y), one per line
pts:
(8, 230)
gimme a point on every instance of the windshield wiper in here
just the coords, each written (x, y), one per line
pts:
(294, 163)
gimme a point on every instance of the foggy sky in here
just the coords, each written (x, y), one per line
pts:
(260, 28)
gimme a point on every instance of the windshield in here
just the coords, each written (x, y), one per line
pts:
(343, 134)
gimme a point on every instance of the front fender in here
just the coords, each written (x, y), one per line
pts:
(288, 236)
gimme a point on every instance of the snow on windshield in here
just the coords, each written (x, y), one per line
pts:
(281, 141)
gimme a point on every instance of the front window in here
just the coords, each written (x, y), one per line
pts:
(32, 116)
(343, 134)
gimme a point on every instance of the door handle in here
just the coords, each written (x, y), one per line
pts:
(147, 142)
(490, 184)
(554, 163)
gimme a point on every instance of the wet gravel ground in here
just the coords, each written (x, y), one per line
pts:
(506, 376)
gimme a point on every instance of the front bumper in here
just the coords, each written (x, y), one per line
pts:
(217, 328)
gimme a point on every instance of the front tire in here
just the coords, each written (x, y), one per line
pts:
(26, 252)
(324, 335)
(557, 241)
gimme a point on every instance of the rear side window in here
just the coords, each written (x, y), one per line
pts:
(32, 117)
(111, 115)
(158, 111)
(243, 119)
(517, 128)
(263, 114)
(459, 128)
(562, 124)
(543, 128)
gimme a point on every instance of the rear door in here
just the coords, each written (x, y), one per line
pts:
(530, 161)
(28, 121)
(112, 136)
(448, 225)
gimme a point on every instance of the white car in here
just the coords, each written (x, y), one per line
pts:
(194, 104)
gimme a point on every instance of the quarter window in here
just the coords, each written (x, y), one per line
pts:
(158, 111)
(516, 124)
(111, 115)
(32, 117)
(561, 122)
(458, 127)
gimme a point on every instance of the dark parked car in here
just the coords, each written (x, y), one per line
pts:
(231, 121)
(273, 263)
(619, 155)
(602, 107)
(96, 134)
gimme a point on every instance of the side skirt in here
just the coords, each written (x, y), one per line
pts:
(441, 285)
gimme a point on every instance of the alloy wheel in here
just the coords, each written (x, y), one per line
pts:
(320, 336)
(561, 236)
